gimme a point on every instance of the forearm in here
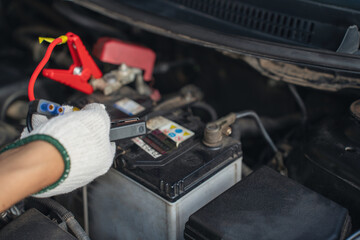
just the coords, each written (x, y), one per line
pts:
(26, 170)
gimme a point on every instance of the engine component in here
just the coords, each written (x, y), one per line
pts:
(266, 205)
(64, 214)
(10, 214)
(33, 225)
(115, 79)
(214, 131)
(328, 161)
(114, 51)
(188, 94)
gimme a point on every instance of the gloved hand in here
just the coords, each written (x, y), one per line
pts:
(82, 138)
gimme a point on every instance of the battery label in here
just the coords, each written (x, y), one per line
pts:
(129, 106)
(138, 141)
(157, 122)
(159, 141)
(174, 131)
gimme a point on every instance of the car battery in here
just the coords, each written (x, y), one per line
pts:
(158, 180)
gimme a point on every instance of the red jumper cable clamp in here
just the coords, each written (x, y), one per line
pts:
(79, 73)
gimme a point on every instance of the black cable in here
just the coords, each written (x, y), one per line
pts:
(299, 102)
(249, 128)
(208, 108)
(29, 122)
(260, 125)
(31, 110)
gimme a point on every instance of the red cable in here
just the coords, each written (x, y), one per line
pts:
(40, 67)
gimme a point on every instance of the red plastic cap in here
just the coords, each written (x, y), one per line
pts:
(114, 51)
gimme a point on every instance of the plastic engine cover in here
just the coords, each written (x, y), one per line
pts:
(33, 225)
(266, 205)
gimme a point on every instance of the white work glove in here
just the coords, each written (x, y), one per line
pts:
(82, 138)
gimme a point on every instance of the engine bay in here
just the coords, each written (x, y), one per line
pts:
(210, 143)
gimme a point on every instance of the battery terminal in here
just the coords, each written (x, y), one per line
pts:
(214, 131)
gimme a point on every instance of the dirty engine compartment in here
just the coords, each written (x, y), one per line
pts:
(224, 127)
